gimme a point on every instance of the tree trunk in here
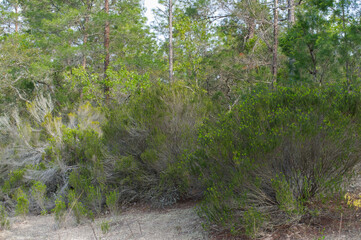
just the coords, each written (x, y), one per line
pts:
(170, 41)
(251, 26)
(291, 13)
(250, 21)
(291, 21)
(106, 48)
(16, 18)
(275, 42)
(345, 40)
(85, 37)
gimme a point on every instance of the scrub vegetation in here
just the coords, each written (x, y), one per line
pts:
(251, 108)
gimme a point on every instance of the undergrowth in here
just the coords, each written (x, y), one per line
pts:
(255, 164)
(277, 150)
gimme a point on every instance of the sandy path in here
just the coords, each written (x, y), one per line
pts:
(178, 223)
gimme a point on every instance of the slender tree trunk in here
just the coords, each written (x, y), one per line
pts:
(291, 21)
(85, 40)
(275, 42)
(170, 41)
(251, 26)
(85, 37)
(250, 22)
(291, 13)
(16, 18)
(106, 48)
(345, 44)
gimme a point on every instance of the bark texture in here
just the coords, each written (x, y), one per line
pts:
(170, 40)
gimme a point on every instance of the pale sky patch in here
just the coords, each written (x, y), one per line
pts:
(150, 5)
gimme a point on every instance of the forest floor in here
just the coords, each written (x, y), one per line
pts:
(337, 221)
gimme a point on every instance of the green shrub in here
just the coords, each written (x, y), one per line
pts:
(38, 191)
(4, 221)
(94, 198)
(77, 207)
(59, 211)
(112, 202)
(81, 183)
(78, 145)
(104, 226)
(284, 196)
(22, 203)
(150, 134)
(253, 221)
(15, 179)
(276, 151)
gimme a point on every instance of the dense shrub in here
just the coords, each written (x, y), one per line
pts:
(150, 134)
(274, 152)
(257, 165)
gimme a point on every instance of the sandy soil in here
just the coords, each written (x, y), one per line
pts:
(176, 223)
(182, 223)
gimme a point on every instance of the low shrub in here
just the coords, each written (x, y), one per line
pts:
(104, 226)
(94, 198)
(149, 135)
(22, 203)
(59, 211)
(4, 220)
(38, 191)
(274, 152)
(112, 202)
(77, 207)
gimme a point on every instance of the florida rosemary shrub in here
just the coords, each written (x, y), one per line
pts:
(149, 135)
(274, 152)
(80, 148)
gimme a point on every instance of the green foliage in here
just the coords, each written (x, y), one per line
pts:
(277, 148)
(16, 176)
(89, 195)
(22, 203)
(94, 198)
(38, 191)
(218, 212)
(310, 42)
(256, 156)
(111, 200)
(78, 209)
(253, 221)
(4, 221)
(19, 68)
(59, 211)
(104, 226)
(285, 197)
(150, 134)
(14, 180)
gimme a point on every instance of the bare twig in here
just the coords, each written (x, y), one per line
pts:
(140, 228)
(95, 236)
(130, 230)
